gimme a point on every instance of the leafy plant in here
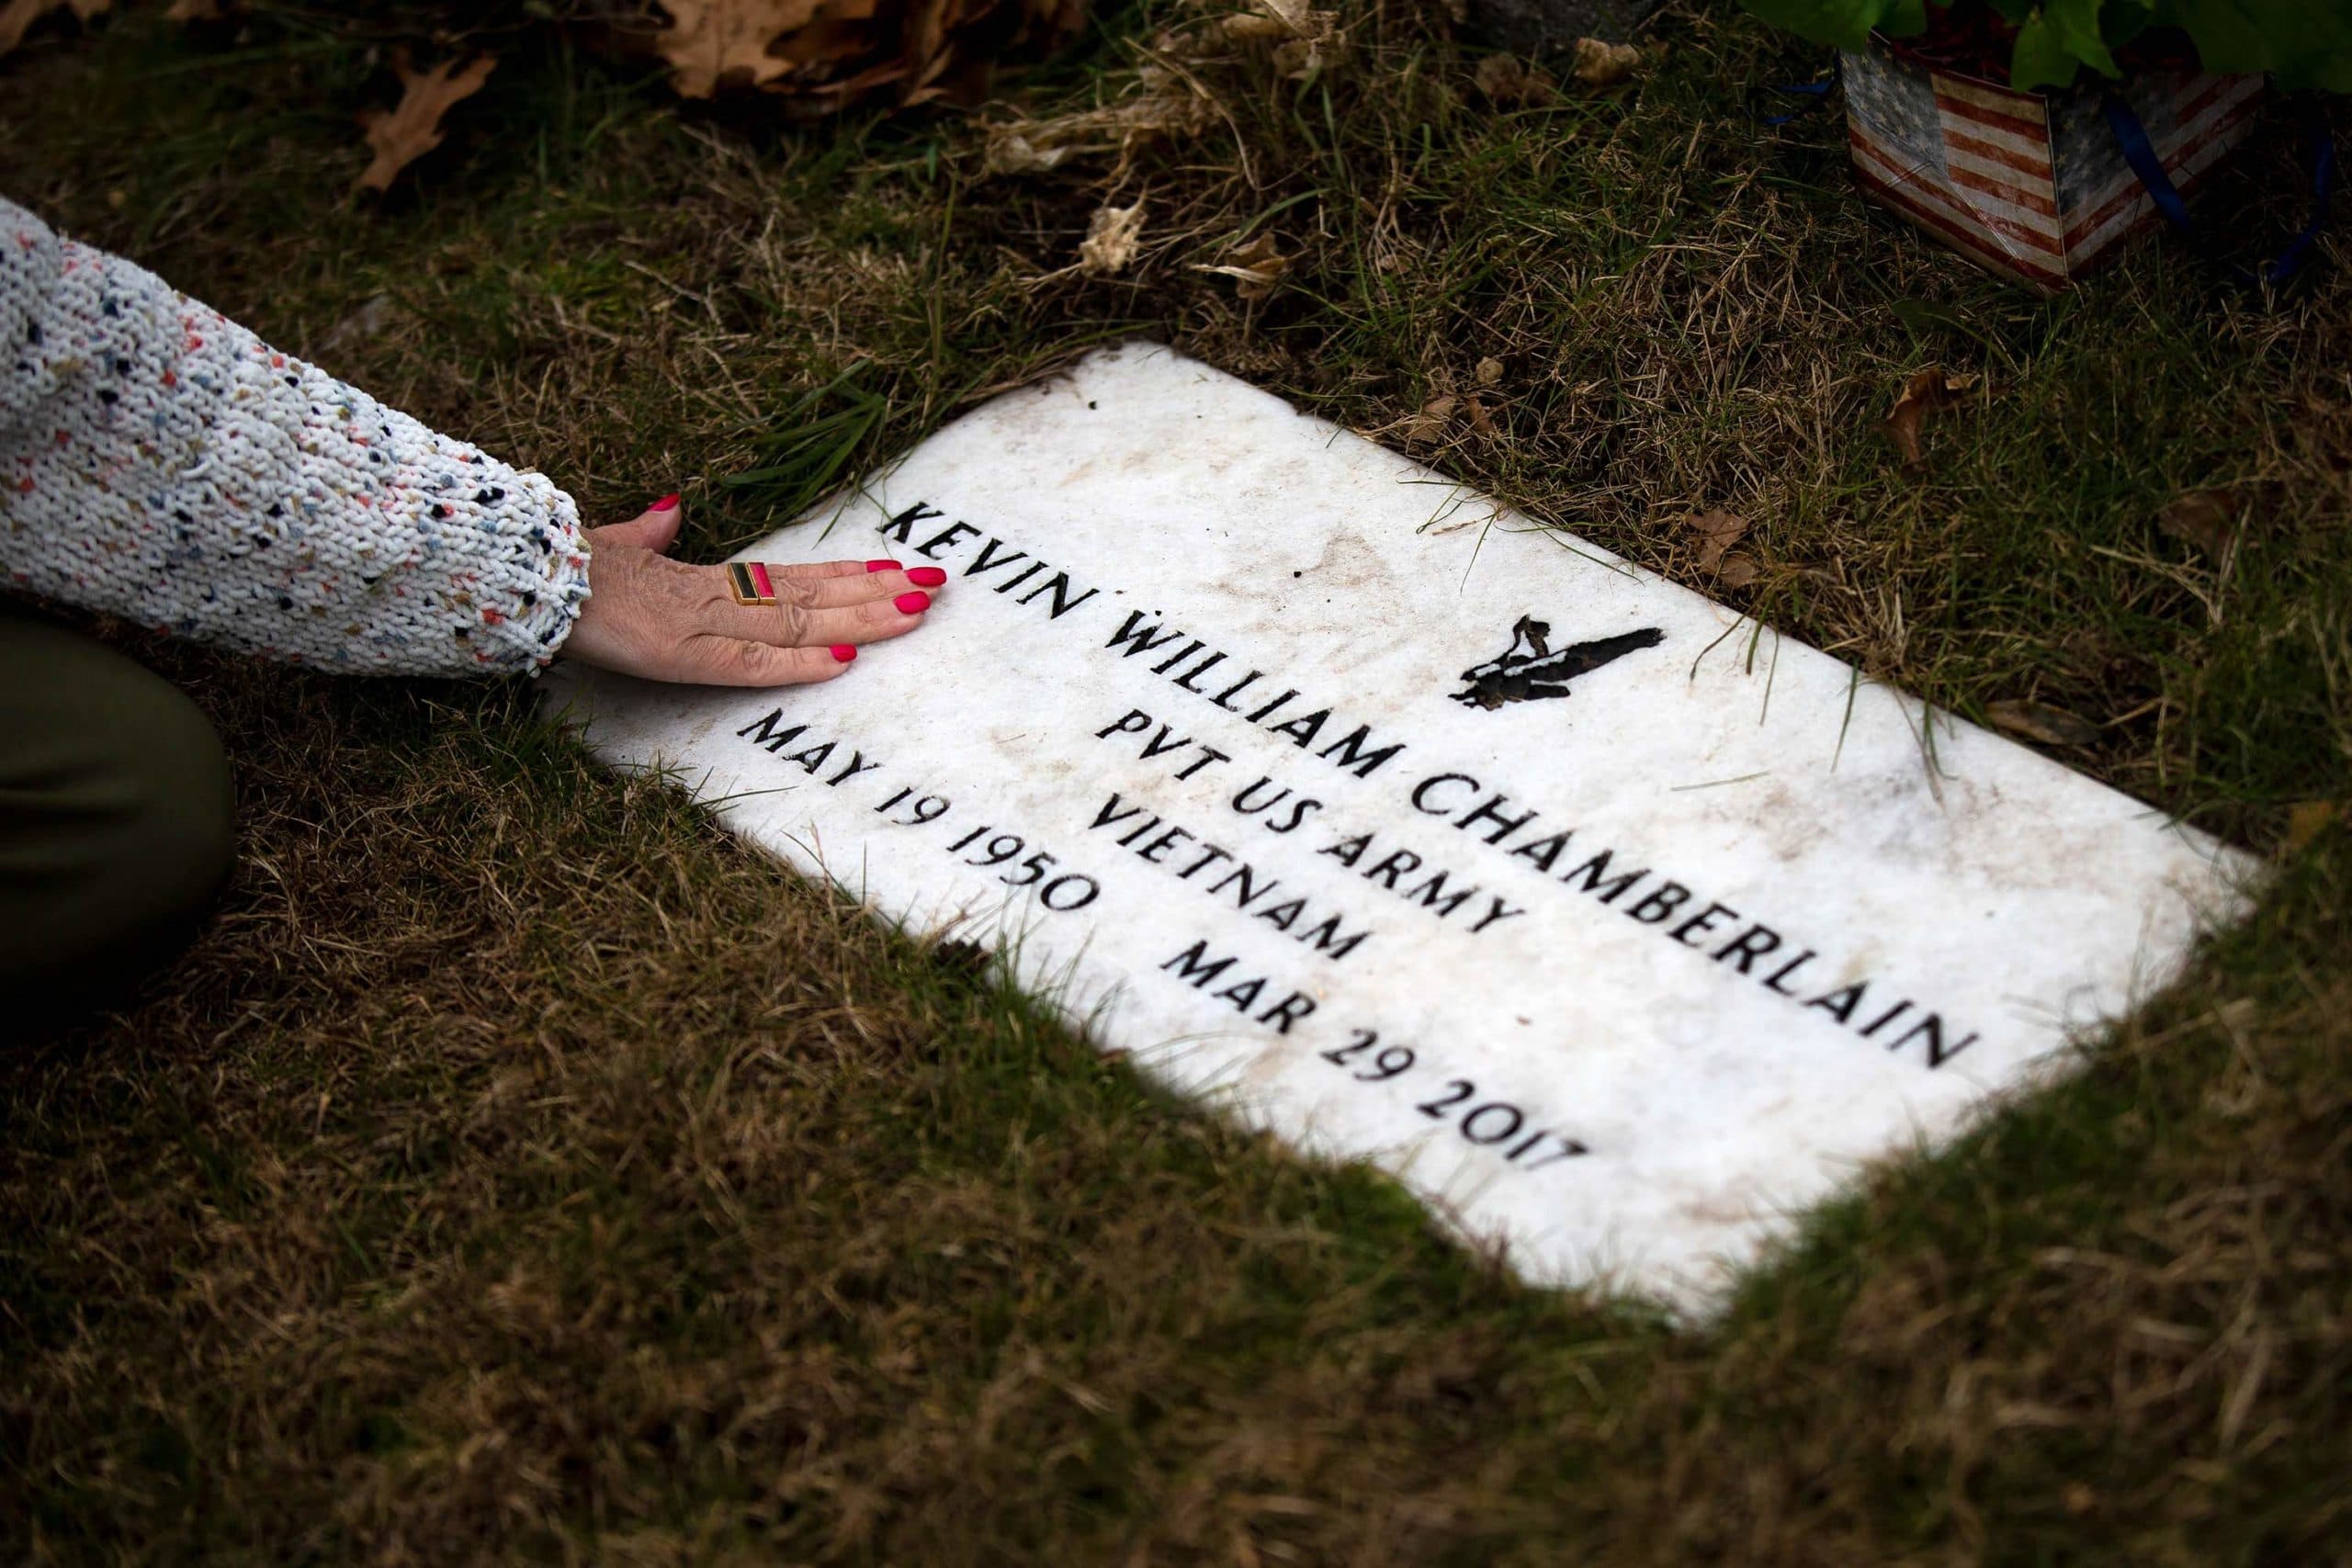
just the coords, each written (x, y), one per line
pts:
(2307, 43)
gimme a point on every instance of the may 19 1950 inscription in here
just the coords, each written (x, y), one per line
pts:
(1614, 926)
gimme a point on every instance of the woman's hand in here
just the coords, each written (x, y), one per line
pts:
(663, 620)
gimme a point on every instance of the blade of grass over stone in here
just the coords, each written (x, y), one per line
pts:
(809, 451)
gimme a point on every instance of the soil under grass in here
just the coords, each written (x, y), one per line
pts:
(518, 1166)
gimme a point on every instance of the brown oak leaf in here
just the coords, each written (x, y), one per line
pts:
(709, 41)
(409, 131)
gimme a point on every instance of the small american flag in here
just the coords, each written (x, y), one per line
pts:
(2030, 187)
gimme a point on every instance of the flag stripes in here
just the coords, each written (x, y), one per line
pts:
(2032, 187)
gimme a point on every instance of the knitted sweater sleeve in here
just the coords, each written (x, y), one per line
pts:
(159, 462)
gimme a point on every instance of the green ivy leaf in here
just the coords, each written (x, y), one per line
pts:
(2077, 23)
(2307, 42)
(2058, 39)
(1846, 23)
(2040, 59)
(2122, 21)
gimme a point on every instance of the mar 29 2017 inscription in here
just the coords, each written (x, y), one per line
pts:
(1619, 942)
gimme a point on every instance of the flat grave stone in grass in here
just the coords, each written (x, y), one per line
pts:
(1615, 926)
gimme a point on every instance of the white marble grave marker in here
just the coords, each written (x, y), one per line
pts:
(1622, 949)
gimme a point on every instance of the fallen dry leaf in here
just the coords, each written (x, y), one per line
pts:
(2307, 819)
(1718, 532)
(818, 56)
(1302, 57)
(412, 129)
(1305, 41)
(2205, 518)
(1110, 239)
(1924, 392)
(1271, 19)
(1168, 107)
(1506, 79)
(2040, 721)
(1603, 65)
(1489, 371)
(18, 16)
(1257, 266)
(1297, 15)
(1013, 150)
(711, 42)
(1477, 412)
(1739, 569)
(1431, 423)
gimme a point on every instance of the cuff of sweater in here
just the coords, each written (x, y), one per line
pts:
(534, 587)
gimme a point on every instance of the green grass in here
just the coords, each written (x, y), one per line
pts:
(519, 1167)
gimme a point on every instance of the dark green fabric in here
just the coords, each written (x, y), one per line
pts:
(116, 823)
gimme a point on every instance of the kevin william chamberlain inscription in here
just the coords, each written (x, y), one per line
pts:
(1616, 927)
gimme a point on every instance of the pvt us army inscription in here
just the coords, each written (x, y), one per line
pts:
(1620, 943)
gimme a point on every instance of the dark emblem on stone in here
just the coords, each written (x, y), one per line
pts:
(1531, 669)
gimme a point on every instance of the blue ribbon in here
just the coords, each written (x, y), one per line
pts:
(2132, 138)
(1817, 91)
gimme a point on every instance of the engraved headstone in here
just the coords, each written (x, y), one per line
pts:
(1614, 924)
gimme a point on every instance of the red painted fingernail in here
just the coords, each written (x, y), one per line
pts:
(927, 577)
(843, 652)
(881, 566)
(912, 604)
(665, 504)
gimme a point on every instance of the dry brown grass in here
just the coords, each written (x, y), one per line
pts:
(518, 1167)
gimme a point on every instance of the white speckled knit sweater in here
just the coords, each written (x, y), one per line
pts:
(161, 463)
